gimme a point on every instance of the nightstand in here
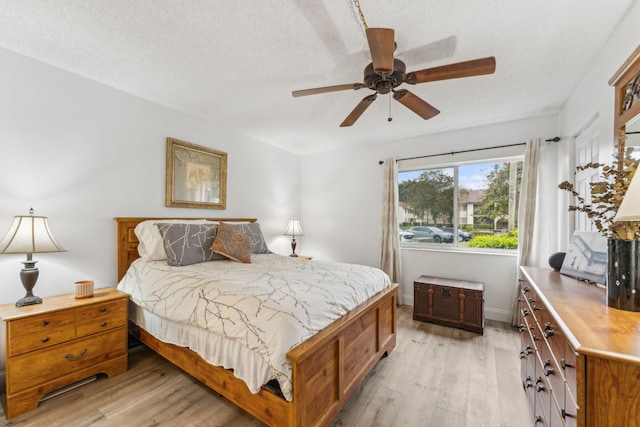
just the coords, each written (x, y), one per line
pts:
(61, 341)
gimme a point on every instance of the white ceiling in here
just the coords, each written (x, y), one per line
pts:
(235, 62)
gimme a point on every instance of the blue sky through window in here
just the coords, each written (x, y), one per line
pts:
(470, 176)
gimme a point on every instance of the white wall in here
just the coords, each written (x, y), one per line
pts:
(83, 153)
(341, 202)
(341, 191)
(592, 95)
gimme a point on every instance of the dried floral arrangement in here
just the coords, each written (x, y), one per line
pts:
(606, 196)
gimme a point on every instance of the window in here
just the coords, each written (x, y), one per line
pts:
(467, 205)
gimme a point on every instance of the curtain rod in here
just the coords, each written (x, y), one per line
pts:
(554, 139)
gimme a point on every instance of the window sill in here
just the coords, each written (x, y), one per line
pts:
(459, 250)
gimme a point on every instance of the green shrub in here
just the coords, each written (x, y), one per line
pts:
(500, 241)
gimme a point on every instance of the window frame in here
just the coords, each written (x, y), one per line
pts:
(418, 164)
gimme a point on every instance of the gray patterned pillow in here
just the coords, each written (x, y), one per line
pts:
(253, 230)
(187, 244)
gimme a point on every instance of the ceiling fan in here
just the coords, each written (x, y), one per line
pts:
(385, 73)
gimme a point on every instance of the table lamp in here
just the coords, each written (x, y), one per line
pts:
(293, 229)
(29, 234)
(629, 209)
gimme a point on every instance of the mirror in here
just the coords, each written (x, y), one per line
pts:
(632, 131)
(627, 105)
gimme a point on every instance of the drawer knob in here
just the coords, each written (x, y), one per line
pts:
(521, 328)
(528, 383)
(103, 309)
(74, 358)
(45, 339)
(44, 323)
(525, 289)
(445, 292)
(548, 330)
(539, 384)
(525, 312)
(103, 324)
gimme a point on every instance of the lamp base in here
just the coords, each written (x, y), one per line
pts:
(29, 276)
(28, 300)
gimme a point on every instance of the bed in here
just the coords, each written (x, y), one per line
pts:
(326, 369)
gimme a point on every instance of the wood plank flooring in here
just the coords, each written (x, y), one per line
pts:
(436, 376)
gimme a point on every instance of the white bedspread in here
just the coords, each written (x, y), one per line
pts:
(266, 307)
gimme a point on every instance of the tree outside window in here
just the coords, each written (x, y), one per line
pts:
(476, 203)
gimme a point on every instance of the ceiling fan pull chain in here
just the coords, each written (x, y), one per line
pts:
(390, 118)
(364, 22)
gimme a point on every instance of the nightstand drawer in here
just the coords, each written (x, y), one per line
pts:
(28, 370)
(39, 324)
(108, 309)
(46, 337)
(101, 317)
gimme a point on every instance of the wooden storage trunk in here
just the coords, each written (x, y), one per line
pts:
(449, 302)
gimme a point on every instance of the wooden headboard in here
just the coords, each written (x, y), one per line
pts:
(127, 242)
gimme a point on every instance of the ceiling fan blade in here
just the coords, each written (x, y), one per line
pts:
(305, 92)
(475, 67)
(415, 104)
(381, 45)
(357, 112)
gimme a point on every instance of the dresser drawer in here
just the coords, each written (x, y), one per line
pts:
(100, 317)
(45, 337)
(110, 309)
(29, 369)
(39, 324)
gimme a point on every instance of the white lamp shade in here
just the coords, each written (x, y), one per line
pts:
(29, 234)
(629, 209)
(293, 228)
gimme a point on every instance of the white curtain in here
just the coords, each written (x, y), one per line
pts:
(390, 261)
(538, 211)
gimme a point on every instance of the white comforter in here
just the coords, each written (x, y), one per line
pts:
(266, 307)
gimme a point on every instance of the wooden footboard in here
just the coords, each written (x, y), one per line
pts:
(327, 368)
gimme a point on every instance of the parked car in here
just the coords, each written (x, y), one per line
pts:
(463, 236)
(406, 236)
(432, 233)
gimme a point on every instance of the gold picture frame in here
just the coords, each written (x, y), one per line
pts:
(196, 176)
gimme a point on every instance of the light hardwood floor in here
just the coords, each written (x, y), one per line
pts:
(436, 376)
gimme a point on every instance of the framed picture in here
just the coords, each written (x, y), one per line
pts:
(196, 176)
(587, 257)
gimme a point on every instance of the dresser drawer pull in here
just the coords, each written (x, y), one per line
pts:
(548, 370)
(564, 364)
(522, 328)
(103, 309)
(44, 323)
(103, 324)
(525, 289)
(528, 383)
(539, 384)
(525, 312)
(548, 331)
(45, 339)
(74, 358)
(445, 292)
(526, 352)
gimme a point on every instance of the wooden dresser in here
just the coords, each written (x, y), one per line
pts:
(61, 341)
(580, 359)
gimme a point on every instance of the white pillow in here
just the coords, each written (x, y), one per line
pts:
(150, 247)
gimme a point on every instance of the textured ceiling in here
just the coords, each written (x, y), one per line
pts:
(235, 62)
